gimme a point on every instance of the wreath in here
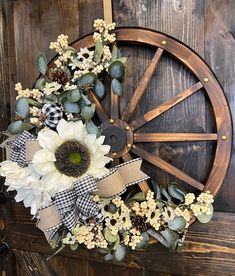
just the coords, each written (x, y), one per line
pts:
(58, 163)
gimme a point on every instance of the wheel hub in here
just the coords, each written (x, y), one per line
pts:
(119, 136)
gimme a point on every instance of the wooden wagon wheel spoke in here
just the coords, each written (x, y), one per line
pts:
(114, 113)
(142, 86)
(143, 185)
(124, 131)
(174, 137)
(99, 109)
(150, 115)
(166, 167)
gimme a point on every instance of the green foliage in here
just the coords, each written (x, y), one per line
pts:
(15, 127)
(109, 236)
(74, 95)
(88, 112)
(99, 90)
(166, 237)
(177, 224)
(204, 218)
(87, 79)
(116, 70)
(117, 87)
(62, 97)
(98, 50)
(40, 84)
(22, 107)
(71, 107)
(136, 197)
(144, 242)
(119, 254)
(93, 129)
(41, 63)
(73, 246)
(176, 191)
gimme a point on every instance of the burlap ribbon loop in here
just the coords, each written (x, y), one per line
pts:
(74, 206)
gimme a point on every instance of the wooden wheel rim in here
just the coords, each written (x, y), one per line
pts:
(207, 80)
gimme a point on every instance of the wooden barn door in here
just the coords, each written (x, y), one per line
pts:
(208, 27)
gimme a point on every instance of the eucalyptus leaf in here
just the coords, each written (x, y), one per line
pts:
(57, 252)
(34, 103)
(204, 218)
(22, 107)
(177, 224)
(93, 129)
(117, 87)
(120, 253)
(165, 194)
(41, 63)
(165, 237)
(88, 112)
(73, 246)
(109, 236)
(108, 257)
(116, 244)
(156, 189)
(50, 98)
(87, 78)
(26, 126)
(71, 107)
(137, 197)
(112, 208)
(74, 95)
(114, 52)
(99, 90)
(62, 97)
(116, 70)
(176, 191)
(40, 84)
(98, 50)
(69, 48)
(85, 99)
(144, 242)
(122, 59)
(15, 127)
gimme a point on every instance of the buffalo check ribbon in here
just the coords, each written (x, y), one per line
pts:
(74, 206)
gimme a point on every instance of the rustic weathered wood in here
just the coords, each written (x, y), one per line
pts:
(137, 123)
(142, 86)
(114, 112)
(172, 137)
(207, 253)
(166, 167)
(206, 79)
(99, 109)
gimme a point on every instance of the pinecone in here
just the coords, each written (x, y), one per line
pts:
(140, 223)
(57, 75)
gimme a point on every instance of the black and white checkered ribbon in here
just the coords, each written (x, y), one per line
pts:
(53, 114)
(75, 206)
(18, 150)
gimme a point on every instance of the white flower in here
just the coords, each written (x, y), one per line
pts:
(85, 54)
(51, 87)
(29, 187)
(69, 155)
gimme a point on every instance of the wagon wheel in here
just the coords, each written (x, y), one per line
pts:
(120, 129)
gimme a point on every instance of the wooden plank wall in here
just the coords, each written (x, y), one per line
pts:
(208, 27)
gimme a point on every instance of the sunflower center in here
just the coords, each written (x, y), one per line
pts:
(72, 158)
(75, 158)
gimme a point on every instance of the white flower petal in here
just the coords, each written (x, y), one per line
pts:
(49, 140)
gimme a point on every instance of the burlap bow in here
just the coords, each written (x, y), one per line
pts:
(18, 150)
(70, 207)
(73, 206)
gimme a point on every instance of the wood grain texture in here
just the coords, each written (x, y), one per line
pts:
(209, 249)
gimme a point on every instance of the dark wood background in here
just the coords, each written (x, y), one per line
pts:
(208, 27)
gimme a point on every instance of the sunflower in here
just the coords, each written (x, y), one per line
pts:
(69, 154)
(29, 188)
